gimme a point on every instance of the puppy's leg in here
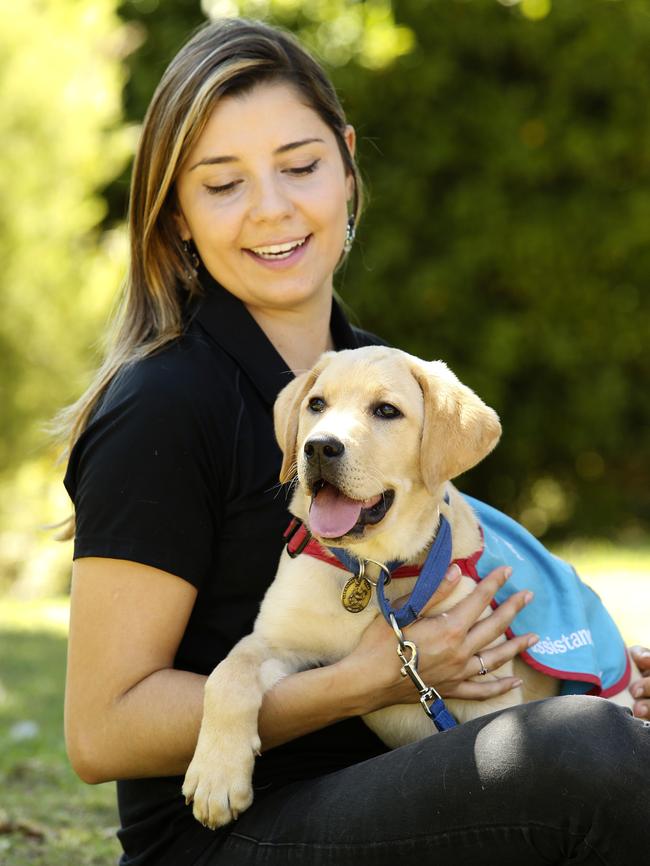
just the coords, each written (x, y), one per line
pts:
(219, 778)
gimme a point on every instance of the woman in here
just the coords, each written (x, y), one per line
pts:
(244, 199)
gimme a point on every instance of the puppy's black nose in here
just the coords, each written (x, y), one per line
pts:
(323, 448)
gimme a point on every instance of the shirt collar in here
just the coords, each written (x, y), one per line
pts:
(226, 319)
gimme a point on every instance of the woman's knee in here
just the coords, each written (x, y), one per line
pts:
(580, 743)
(547, 737)
(597, 729)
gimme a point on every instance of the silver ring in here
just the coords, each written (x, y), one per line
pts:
(483, 670)
(382, 567)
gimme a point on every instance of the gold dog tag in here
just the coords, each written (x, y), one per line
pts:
(356, 594)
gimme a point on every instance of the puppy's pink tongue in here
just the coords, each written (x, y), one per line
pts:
(332, 514)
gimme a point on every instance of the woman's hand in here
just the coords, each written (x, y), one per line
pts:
(447, 646)
(640, 689)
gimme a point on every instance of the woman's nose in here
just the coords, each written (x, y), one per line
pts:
(270, 201)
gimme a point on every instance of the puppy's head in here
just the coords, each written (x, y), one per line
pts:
(369, 432)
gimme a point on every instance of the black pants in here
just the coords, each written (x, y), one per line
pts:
(559, 781)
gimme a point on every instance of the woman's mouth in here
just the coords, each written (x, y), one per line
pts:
(280, 255)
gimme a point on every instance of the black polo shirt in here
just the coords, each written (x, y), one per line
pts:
(178, 469)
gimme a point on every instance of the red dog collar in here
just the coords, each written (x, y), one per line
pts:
(299, 540)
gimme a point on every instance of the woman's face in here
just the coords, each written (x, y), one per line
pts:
(263, 195)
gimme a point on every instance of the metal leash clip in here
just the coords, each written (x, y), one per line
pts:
(409, 669)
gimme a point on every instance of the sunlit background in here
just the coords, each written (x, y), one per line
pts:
(506, 150)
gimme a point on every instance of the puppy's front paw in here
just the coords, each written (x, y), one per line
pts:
(219, 778)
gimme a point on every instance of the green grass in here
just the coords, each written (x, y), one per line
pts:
(621, 576)
(49, 818)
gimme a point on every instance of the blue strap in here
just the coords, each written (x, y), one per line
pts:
(430, 578)
(428, 581)
(440, 715)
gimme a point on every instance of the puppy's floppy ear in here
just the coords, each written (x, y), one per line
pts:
(459, 428)
(286, 415)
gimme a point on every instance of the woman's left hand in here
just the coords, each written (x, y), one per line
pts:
(640, 689)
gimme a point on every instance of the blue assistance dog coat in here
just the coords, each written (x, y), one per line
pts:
(579, 642)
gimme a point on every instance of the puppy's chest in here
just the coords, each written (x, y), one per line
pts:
(303, 610)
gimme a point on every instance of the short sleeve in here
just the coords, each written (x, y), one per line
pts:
(148, 474)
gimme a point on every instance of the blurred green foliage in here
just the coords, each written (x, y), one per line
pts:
(63, 141)
(60, 82)
(509, 234)
(505, 148)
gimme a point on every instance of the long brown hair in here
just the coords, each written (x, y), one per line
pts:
(223, 58)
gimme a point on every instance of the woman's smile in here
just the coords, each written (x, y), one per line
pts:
(280, 254)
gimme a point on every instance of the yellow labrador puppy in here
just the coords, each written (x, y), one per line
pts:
(373, 436)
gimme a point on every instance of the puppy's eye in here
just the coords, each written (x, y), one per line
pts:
(386, 410)
(317, 404)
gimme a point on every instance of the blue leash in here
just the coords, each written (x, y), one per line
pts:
(428, 581)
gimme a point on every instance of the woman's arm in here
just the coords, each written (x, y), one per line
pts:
(129, 714)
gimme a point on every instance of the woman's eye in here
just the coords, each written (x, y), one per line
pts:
(317, 404)
(226, 188)
(304, 169)
(386, 410)
(222, 190)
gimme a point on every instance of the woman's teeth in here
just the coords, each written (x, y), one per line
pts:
(278, 251)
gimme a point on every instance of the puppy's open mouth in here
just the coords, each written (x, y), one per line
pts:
(332, 514)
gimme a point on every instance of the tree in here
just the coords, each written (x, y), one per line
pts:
(60, 85)
(507, 230)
